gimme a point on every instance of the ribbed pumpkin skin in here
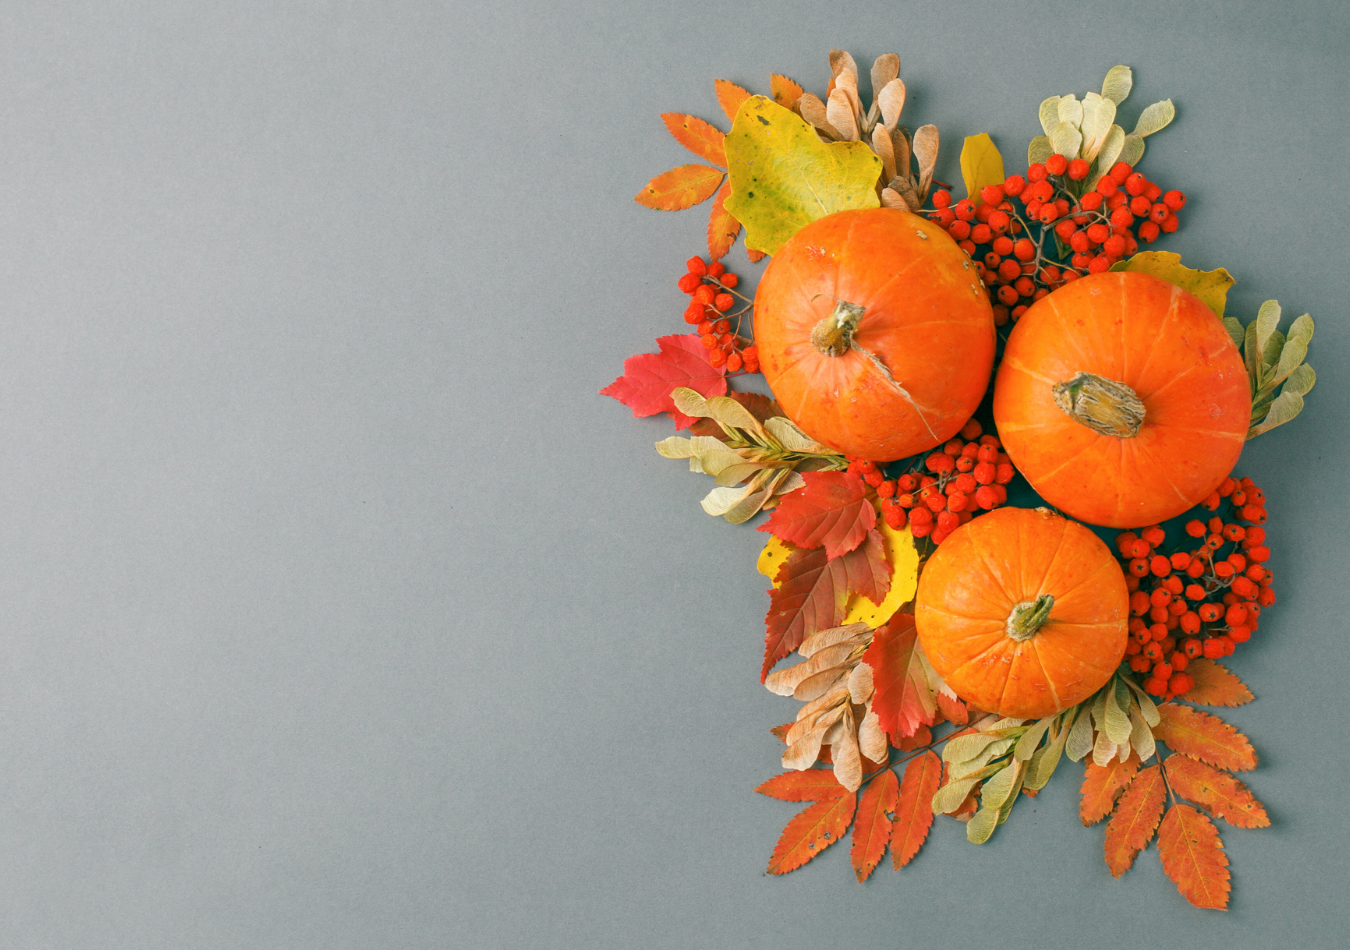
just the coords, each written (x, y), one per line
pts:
(926, 319)
(1172, 351)
(988, 566)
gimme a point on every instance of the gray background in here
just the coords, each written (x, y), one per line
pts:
(340, 611)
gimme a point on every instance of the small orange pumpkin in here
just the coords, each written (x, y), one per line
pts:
(874, 333)
(1022, 612)
(1122, 399)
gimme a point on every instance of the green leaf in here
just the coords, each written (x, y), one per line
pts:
(979, 828)
(1131, 149)
(1141, 736)
(783, 176)
(786, 434)
(1046, 759)
(1119, 81)
(1049, 114)
(1067, 140)
(1286, 406)
(1107, 157)
(1079, 742)
(996, 789)
(1267, 320)
(949, 797)
(1211, 286)
(1147, 707)
(1098, 116)
(1039, 150)
(730, 414)
(1270, 356)
(1071, 111)
(1026, 746)
(1300, 380)
(1155, 118)
(1295, 348)
(981, 164)
(1249, 355)
(1011, 800)
(1235, 330)
(1118, 713)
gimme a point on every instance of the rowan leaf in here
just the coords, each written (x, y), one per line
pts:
(1192, 855)
(1211, 286)
(722, 226)
(872, 827)
(1215, 685)
(810, 592)
(785, 91)
(783, 176)
(810, 785)
(1131, 827)
(682, 187)
(832, 511)
(730, 97)
(903, 693)
(1218, 791)
(649, 378)
(698, 136)
(1102, 785)
(981, 164)
(914, 807)
(1204, 737)
(812, 831)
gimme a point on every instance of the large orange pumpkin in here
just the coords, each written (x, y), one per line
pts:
(874, 333)
(1122, 399)
(1022, 612)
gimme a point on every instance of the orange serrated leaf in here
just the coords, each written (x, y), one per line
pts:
(682, 187)
(811, 832)
(810, 785)
(722, 225)
(729, 97)
(831, 510)
(1131, 827)
(781, 731)
(1204, 737)
(914, 807)
(698, 136)
(872, 829)
(1218, 791)
(1101, 785)
(1215, 685)
(953, 710)
(755, 256)
(1192, 855)
(785, 91)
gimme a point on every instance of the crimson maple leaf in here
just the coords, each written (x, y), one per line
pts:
(649, 378)
(830, 510)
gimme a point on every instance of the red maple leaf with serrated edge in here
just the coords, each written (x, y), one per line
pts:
(903, 699)
(830, 510)
(813, 590)
(649, 378)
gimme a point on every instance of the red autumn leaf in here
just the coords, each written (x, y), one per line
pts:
(1192, 855)
(811, 832)
(1215, 685)
(697, 136)
(903, 697)
(729, 97)
(785, 91)
(872, 828)
(1204, 737)
(810, 785)
(953, 710)
(1102, 784)
(812, 593)
(1218, 791)
(914, 807)
(649, 378)
(1131, 827)
(682, 187)
(831, 509)
(722, 226)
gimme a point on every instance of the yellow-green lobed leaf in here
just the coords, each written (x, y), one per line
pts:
(783, 176)
(981, 164)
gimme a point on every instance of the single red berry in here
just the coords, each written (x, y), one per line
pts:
(1056, 164)
(1170, 224)
(730, 280)
(1099, 264)
(1036, 172)
(696, 266)
(1149, 231)
(991, 194)
(981, 233)
(1122, 217)
(1121, 171)
(942, 198)
(1107, 186)
(723, 302)
(1174, 200)
(965, 209)
(1114, 245)
(734, 362)
(1078, 169)
(1024, 250)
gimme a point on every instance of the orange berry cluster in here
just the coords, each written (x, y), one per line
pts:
(1077, 231)
(1201, 602)
(966, 477)
(712, 289)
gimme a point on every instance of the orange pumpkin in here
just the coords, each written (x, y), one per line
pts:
(874, 333)
(1122, 399)
(1022, 612)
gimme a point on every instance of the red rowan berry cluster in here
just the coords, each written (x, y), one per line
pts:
(965, 477)
(1063, 231)
(1201, 602)
(713, 291)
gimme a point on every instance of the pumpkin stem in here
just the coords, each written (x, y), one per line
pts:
(1103, 405)
(1028, 616)
(834, 335)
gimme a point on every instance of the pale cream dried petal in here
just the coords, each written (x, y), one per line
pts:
(884, 70)
(881, 144)
(813, 111)
(839, 113)
(831, 636)
(892, 102)
(783, 682)
(900, 145)
(849, 84)
(860, 684)
(890, 198)
(803, 753)
(926, 151)
(872, 738)
(848, 769)
(828, 701)
(841, 61)
(818, 684)
(840, 654)
(839, 728)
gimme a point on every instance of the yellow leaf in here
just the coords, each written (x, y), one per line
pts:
(981, 164)
(783, 176)
(900, 551)
(1211, 286)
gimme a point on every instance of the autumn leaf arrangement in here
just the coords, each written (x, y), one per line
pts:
(996, 468)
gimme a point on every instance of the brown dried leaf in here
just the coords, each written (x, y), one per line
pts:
(872, 738)
(900, 145)
(881, 144)
(860, 684)
(848, 766)
(848, 84)
(813, 111)
(926, 151)
(840, 62)
(884, 70)
(892, 102)
(839, 114)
